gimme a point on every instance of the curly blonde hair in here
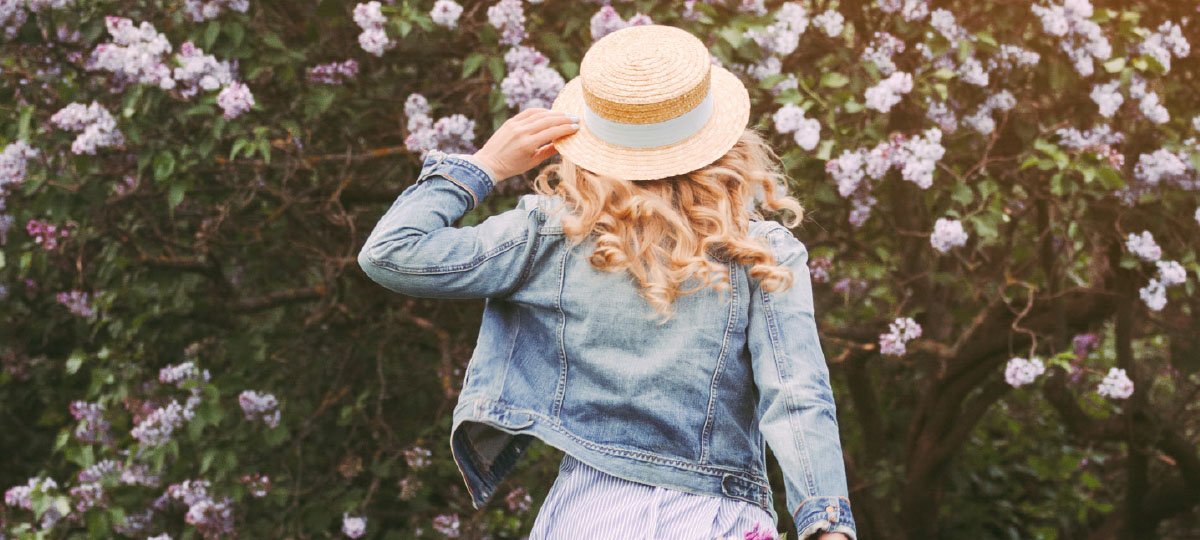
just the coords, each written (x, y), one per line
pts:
(668, 230)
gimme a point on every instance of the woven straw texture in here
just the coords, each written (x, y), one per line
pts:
(644, 74)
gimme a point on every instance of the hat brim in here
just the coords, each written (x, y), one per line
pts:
(731, 115)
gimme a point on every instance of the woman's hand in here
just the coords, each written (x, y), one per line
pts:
(833, 536)
(525, 140)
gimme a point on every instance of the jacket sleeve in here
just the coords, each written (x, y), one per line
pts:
(796, 410)
(414, 250)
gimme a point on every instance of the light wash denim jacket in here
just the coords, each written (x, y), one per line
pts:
(574, 356)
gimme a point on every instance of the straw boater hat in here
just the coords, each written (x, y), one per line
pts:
(652, 104)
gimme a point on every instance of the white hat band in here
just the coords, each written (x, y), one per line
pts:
(650, 135)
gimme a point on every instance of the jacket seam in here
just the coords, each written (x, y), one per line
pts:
(719, 370)
(452, 268)
(790, 399)
(528, 265)
(560, 391)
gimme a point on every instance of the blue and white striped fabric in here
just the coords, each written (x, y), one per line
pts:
(587, 503)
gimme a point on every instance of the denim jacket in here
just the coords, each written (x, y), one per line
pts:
(574, 356)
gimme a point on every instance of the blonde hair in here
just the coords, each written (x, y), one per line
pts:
(668, 230)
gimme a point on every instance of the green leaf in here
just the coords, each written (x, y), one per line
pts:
(1111, 178)
(834, 79)
(963, 194)
(236, 32)
(272, 40)
(944, 73)
(175, 194)
(825, 149)
(852, 106)
(496, 66)
(472, 63)
(1114, 65)
(211, 32)
(164, 165)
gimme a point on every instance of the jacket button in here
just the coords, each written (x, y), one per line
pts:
(829, 509)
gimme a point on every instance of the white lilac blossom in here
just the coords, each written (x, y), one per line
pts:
(971, 72)
(447, 525)
(530, 81)
(198, 71)
(203, 10)
(259, 406)
(156, 429)
(782, 36)
(880, 51)
(607, 20)
(92, 427)
(886, 93)
(1144, 246)
(235, 99)
(1152, 109)
(982, 120)
(900, 332)
(1021, 371)
(1162, 164)
(509, 17)
(1154, 294)
(830, 21)
(86, 496)
(454, 133)
(353, 526)
(756, 7)
(1196, 216)
(22, 496)
(417, 457)
(1097, 137)
(446, 13)
(373, 39)
(918, 156)
(771, 65)
(943, 21)
(911, 10)
(137, 54)
(1165, 42)
(211, 518)
(947, 234)
(1116, 384)
(1082, 39)
(13, 164)
(179, 374)
(333, 72)
(941, 114)
(96, 126)
(78, 302)
(1171, 273)
(1012, 56)
(847, 171)
(791, 119)
(1108, 97)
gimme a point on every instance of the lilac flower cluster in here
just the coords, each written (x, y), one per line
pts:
(767, 67)
(417, 457)
(22, 496)
(1108, 97)
(1082, 39)
(198, 71)
(158, 427)
(886, 93)
(831, 22)
(14, 164)
(211, 518)
(1116, 384)
(1166, 41)
(1144, 246)
(1163, 165)
(947, 234)
(911, 10)
(790, 119)
(96, 126)
(915, 156)
(333, 72)
(451, 134)
(942, 114)
(1154, 293)
(203, 10)
(446, 13)
(258, 484)
(881, 50)
(1021, 371)
(518, 500)
(819, 268)
(136, 55)
(1011, 57)
(77, 302)
(530, 81)
(235, 99)
(373, 39)
(93, 428)
(982, 120)
(47, 234)
(944, 22)
(508, 16)
(448, 525)
(606, 20)
(259, 406)
(900, 332)
(353, 526)
(782, 36)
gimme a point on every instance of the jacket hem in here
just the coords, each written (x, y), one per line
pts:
(488, 437)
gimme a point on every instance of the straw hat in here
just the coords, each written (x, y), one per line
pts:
(651, 104)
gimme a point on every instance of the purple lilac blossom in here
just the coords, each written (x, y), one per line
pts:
(235, 99)
(900, 332)
(203, 10)
(96, 126)
(508, 16)
(373, 39)
(530, 82)
(259, 406)
(947, 234)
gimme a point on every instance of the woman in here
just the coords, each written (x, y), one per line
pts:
(640, 315)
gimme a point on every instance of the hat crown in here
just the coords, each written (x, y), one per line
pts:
(645, 74)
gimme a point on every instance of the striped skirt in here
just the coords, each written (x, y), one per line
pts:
(587, 503)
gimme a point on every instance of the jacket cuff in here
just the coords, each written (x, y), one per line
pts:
(472, 178)
(828, 514)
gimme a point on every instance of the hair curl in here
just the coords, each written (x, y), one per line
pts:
(669, 230)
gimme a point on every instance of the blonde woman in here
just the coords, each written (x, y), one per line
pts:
(641, 315)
